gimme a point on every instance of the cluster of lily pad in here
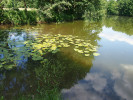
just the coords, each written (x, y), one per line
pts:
(42, 44)
(46, 43)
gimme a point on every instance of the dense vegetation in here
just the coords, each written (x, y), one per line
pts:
(120, 7)
(51, 11)
(61, 10)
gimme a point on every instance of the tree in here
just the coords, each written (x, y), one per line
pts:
(112, 8)
(125, 7)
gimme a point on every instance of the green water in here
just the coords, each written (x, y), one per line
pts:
(66, 73)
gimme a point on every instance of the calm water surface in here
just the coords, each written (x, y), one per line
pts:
(106, 77)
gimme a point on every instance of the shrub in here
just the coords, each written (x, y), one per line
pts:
(112, 7)
(19, 17)
(125, 7)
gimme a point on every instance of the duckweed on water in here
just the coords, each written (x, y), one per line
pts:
(42, 44)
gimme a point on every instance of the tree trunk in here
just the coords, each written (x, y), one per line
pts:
(25, 5)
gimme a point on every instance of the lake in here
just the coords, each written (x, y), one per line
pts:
(71, 69)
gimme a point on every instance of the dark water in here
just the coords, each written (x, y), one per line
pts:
(106, 77)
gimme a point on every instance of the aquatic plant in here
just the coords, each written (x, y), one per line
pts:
(41, 45)
(51, 43)
(53, 94)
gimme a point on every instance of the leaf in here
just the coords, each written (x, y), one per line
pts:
(59, 46)
(80, 51)
(1, 66)
(8, 67)
(96, 54)
(55, 51)
(53, 47)
(76, 49)
(40, 51)
(86, 51)
(87, 54)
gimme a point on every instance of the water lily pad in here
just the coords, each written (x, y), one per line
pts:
(76, 49)
(86, 51)
(87, 54)
(43, 44)
(80, 51)
(96, 54)
(53, 47)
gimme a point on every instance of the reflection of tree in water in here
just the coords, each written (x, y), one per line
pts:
(82, 29)
(92, 30)
(120, 24)
(3, 35)
(58, 72)
(10, 57)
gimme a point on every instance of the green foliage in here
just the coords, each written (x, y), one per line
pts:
(1, 16)
(125, 7)
(1, 98)
(112, 7)
(52, 94)
(19, 17)
(96, 9)
(120, 7)
(55, 10)
(13, 16)
(62, 10)
(8, 3)
(40, 46)
(72, 10)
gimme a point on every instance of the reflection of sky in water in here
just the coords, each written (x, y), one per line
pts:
(110, 78)
(16, 40)
(1, 56)
(111, 35)
(17, 37)
(124, 84)
(14, 83)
